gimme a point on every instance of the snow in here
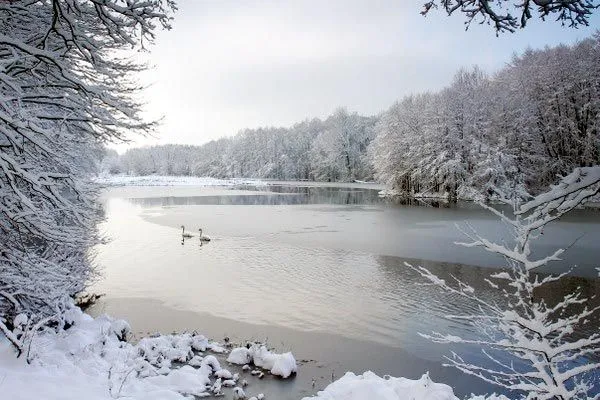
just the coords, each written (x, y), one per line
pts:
(90, 360)
(238, 393)
(371, 386)
(240, 356)
(224, 373)
(160, 180)
(283, 365)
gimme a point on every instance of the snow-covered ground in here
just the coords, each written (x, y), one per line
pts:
(158, 180)
(89, 360)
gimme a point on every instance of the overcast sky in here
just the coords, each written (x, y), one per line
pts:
(228, 65)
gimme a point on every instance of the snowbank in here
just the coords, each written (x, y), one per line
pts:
(91, 361)
(371, 386)
(157, 180)
(282, 365)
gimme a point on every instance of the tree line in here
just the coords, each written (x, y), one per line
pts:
(523, 126)
(334, 149)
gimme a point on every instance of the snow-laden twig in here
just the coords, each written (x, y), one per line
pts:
(550, 357)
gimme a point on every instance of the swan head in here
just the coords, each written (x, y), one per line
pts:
(182, 227)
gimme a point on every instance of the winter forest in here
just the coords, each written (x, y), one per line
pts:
(534, 120)
(286, 246)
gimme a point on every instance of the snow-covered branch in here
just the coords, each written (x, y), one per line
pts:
(508, 16)
(550, 356)
(63, 93)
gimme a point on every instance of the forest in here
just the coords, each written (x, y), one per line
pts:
(520, 128)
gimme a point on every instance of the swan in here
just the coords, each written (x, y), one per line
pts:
(203, 238)
(183, 234)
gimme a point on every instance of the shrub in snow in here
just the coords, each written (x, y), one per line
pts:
(549, 357)
(371, 386)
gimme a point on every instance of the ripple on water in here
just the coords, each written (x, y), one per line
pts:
(253, 274)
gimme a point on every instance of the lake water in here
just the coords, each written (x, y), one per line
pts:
(316, 269)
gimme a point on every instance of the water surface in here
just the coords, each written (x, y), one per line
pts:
(312, 260)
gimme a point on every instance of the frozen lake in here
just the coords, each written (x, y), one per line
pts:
(316, 269)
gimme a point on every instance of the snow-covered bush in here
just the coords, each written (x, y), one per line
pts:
(66, 87)
(532, 346)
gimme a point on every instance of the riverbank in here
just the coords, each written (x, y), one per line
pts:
(161, 180)
(319, 355)
(91, 360)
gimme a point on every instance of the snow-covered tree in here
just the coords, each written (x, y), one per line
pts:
(549, 356)
(400, 143)
(67, 86)
(534, 120)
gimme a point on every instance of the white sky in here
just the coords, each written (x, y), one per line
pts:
(228, 65)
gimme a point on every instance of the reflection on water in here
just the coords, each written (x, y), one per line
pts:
(328, 260)
(271, 196)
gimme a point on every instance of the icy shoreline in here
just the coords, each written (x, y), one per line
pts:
(90, 360)
(158, 180)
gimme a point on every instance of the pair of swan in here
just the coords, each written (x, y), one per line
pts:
(189, 235)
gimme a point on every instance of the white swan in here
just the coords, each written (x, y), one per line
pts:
(183, 234)
(203, 238)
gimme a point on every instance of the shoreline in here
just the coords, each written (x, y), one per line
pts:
(319, 355)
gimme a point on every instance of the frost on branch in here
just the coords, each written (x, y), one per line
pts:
(532, 346)
(63, 93)
(499, 13)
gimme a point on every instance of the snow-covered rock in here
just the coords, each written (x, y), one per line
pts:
(196, 361)
(216, 348)
(370, 386)
(282, 365)
(224, 373)
(240, 356)
(278, 364)
(238, 393)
